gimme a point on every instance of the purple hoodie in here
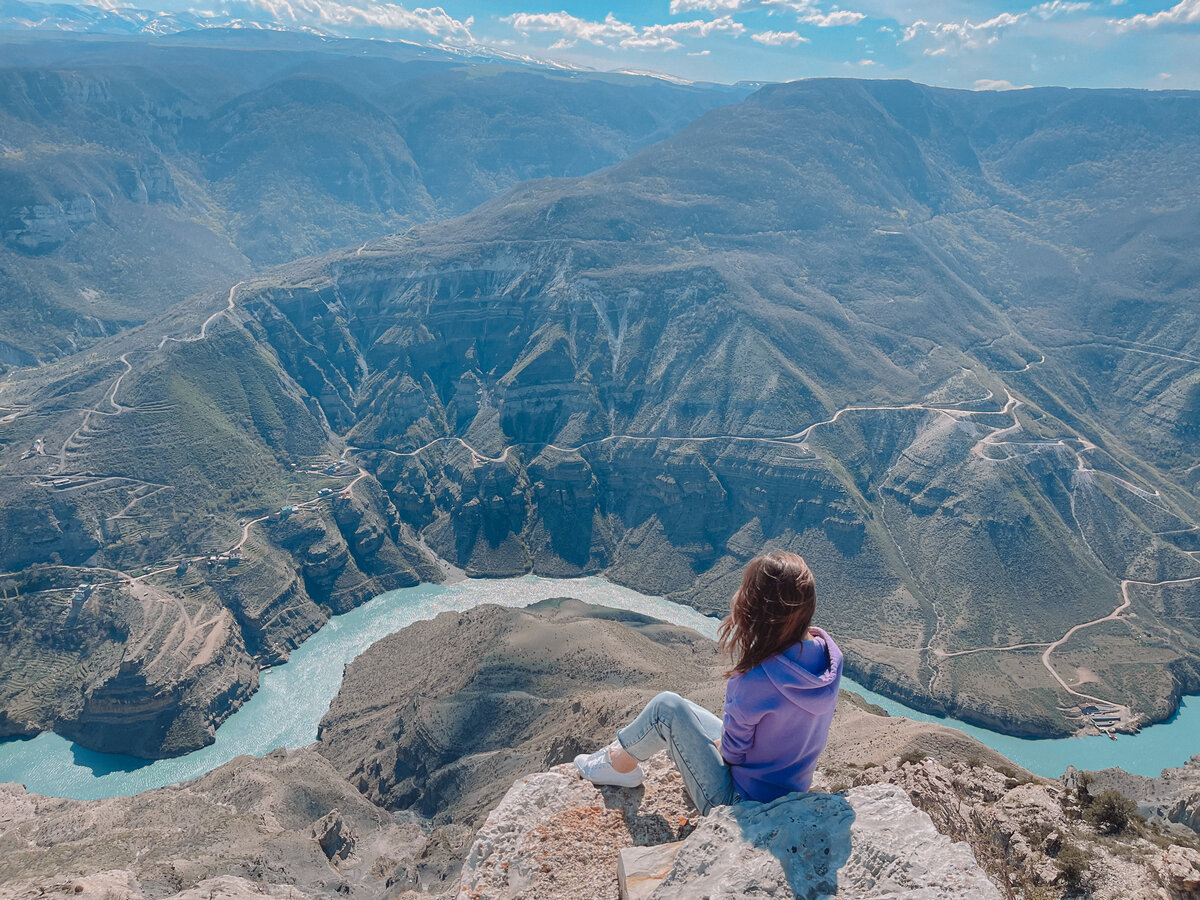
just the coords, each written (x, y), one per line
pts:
(777, 718)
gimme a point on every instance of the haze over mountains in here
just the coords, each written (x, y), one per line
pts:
(134, 174)
(942, 343)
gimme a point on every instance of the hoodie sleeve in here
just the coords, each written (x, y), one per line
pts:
(737, 733)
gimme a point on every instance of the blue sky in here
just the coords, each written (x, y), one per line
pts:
(958, 43)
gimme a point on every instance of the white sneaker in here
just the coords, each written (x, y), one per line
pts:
(598, 769)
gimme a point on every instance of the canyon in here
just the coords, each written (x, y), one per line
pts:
(731, 340)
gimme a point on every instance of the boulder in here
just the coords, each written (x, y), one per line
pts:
(334, 836)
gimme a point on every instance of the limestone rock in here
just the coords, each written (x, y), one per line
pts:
(1178, 870)
(121, 883)
(641, 869)
(557, 836)
(871, 842)
(244, 829)
(335, 838)
(1173, 796)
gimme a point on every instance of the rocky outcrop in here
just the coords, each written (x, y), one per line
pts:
(121, 668)
(1178, 871)
(45, 226)
(334, 836)
(1029, 833)
(554, 830)
(557, 836)
(912, 827)
(183, 673)
(124, 884)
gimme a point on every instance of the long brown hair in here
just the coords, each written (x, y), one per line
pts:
(771, 610)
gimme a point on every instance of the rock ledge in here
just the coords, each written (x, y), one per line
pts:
(557, 836)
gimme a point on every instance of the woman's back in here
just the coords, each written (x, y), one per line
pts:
(777, 718)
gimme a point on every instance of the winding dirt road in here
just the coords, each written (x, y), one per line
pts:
(110, 397)
(1126, 602)
(993, 439)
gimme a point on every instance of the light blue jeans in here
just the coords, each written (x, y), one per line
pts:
(688, 733)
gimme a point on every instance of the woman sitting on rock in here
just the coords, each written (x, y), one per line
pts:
(779, 701)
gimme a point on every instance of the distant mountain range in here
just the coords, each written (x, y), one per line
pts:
(942, 343)
(113, 19)
(135, 172)
(128, 20)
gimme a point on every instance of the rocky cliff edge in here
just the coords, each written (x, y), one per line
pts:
(557, 836)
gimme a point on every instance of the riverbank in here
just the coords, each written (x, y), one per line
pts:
(292, 698)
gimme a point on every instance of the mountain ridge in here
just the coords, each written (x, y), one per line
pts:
(943, 410)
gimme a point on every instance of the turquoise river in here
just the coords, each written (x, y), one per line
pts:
(292, 698)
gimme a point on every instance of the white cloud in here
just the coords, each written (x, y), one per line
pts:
(572, 28)
(698, 28)
(712, 6)
(965, 35)
(999, 84)
(865, 62)
(334, 15)
(614, 33)
(779, 38)
(952, 37)
(806, 10)
(651, 42)
(700, 53)
(1053, 8)
(1185, 12)
(832, 19)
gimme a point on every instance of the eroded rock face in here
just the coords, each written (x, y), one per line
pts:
(1028, 833)
(124, 884)
(180, 679)
(334, 836)
(1172, 796)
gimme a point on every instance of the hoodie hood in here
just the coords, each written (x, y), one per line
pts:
(815, 694)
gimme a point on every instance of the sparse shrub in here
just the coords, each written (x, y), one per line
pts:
(1073, 863)
(1083, 781)
(974, 762)
(913, 757)
(1109, 812)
